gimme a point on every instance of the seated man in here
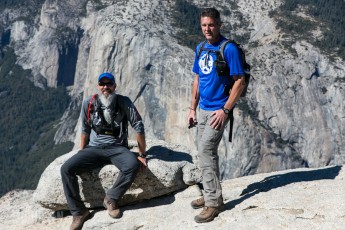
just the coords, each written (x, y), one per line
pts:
(104, 140)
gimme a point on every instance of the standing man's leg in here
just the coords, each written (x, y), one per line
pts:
(209, 139)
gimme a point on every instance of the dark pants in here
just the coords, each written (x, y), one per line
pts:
(94, 157)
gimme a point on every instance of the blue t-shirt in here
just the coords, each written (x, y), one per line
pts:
(211, 86)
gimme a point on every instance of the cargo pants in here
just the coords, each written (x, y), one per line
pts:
(208, 142)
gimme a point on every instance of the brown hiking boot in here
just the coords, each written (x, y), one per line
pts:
(78, 221)
(209, 213)
(112, 207)
(198, 203)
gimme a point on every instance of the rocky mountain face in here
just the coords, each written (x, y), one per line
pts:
(286, 121)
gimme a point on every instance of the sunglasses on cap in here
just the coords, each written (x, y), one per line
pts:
(110, 83)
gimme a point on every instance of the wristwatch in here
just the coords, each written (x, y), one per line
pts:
(143, 155)
(226, 111)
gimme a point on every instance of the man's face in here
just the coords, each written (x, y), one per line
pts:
(106, 87)
(211, 29)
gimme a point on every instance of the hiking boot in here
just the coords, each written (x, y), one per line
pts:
(209, 213)
(112, 207)
(198, 203)
(78, 221)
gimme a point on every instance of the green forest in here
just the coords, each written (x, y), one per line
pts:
(28, 124)
(327, 16)
(186, 20)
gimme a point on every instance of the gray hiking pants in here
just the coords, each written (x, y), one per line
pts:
(208, 142)
(95, 157)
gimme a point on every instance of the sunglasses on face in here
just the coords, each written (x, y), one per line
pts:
(105, 83)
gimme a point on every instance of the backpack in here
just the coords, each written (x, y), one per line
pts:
(223, 69)
(94, 109)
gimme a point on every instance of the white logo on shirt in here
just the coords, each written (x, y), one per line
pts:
(206, 63)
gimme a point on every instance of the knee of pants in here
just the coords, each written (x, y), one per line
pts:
(136, 165)
(66, 169)
(205, 169)
(209, 175)
(208, 161)
(132, 167)
(208, 149)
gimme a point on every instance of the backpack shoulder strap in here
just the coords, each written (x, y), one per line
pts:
(89, 108)
(246, 66)
(231, 125)
(117, 104)
(201, 47)
(223, 45)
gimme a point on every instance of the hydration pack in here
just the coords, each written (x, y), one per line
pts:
(223, 69)
(95, 118)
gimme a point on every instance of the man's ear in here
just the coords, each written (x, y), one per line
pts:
(115, 86)
(220, 23)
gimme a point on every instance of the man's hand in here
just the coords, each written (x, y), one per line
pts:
(192, 122)
(218, 119)
(142, 149)
(143, 163)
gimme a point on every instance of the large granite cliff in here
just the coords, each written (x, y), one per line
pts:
(286, 121)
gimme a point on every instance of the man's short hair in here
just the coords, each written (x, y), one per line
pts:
(212, 13)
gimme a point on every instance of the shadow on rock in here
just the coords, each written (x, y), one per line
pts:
(154, 202)
(92, 187)
(146, 186)
(281, 180)
(166, 154)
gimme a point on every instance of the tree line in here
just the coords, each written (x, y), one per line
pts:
(329, 17)
(28, 115)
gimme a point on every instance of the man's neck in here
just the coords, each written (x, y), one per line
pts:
(215, 40)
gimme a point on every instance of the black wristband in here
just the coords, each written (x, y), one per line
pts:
(143, 155)
(226, 111)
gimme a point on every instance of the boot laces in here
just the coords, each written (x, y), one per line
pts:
(204, 211)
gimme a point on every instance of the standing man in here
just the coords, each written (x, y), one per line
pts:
(104, 140)
(211, 93)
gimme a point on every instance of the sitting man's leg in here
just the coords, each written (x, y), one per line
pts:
(128, 164)
(83, 161)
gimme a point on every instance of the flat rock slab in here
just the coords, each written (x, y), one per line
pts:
(301, 199)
